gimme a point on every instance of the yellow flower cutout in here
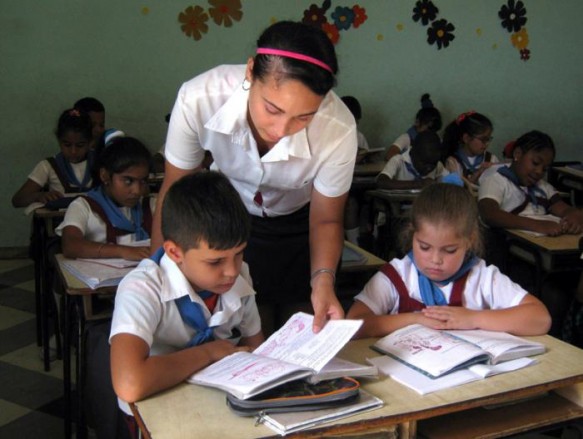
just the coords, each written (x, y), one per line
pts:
(520, 39)
(193, 21)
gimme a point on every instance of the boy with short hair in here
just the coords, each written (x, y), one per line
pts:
(191, 304)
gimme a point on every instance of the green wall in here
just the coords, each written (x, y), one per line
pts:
(133, 56)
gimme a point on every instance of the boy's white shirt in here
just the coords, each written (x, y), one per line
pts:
(396, 169)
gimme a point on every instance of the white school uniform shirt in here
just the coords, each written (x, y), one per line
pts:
(454, 166)
(210, 113)
(145, 307)
(403, 142)
(396, 169)
(486, 288)
(43, 174)
(93, 228)
(509, 196)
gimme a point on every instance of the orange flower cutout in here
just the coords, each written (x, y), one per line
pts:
(520, 39)
(224, 10)
(332, 32)
(193, 21)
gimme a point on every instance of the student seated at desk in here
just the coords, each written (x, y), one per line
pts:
(514, 194)
(96, 111)
(193, 303)
(67, 172)
(442, 283)
(103, 223)
(416, 168)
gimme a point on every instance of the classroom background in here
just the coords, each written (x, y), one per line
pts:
(133, 56)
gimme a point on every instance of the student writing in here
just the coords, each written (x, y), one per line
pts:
(67, 172)
(516, 193)
(103, 223)
(442, 283)
(191, 304)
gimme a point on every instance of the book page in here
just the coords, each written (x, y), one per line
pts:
(296, 343)
(244, 374)
(429, 350)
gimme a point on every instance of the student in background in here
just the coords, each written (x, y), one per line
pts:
(415, 168)
(516, 193)
(465, 142)
(154, 345)
(354, 106)
(110, 217)
(67, 172)
(442, 283)
(96, 112)
(427, 118)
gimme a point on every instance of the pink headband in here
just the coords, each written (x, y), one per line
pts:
(294, 55)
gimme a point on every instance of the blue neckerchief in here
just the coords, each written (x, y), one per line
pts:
(412, 132)
(413, 171)
(532, 191)
(191, 312)
(116, 216)
(67, 170)
(452, 178)
(465, 161)
(431, 294)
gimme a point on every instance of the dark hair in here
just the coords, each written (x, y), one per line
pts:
(428, 114)
(74, 120)
(353, 105)
(446, 204)
(303, 39)
(122, 153)
(534, 140)
(89, 104)
(205, 206)
(470, 123)
(426, 147)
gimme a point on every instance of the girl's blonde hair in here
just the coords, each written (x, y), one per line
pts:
(449, 205)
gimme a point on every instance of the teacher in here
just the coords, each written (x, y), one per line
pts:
(288, 145)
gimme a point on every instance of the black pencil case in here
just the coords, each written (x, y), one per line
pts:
(298, 396)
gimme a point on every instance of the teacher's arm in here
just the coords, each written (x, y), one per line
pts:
(326, 242)
(171, 174)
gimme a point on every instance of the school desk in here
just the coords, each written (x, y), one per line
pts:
(549, 254)
(368, 169)
(544, 394)
(44, 222)
(572, 178)
(78, 305)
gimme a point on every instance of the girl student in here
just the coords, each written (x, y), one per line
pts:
(288, 144)
(442, 283)
(69, 171)
(427, 118)
(465, 142)
(103, 223)
(516, 194)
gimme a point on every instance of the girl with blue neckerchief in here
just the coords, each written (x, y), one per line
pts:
(466, 142)
(442, 283)
(69, 171)
(107, 220)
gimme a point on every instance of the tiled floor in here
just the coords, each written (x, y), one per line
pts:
(31, 402)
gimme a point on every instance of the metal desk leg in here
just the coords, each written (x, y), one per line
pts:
(67, 364)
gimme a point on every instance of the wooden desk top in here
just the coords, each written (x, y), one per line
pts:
(552, 244)
(394, 195)
(189, 410)
(372, 262)
(567, 170)
(368, 168)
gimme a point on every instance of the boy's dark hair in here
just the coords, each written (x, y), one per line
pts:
(470, 123)
(426, 147)
(89, 104)
(534, 140)
(300, 38)
(74, 120)
(428, 114)
(122, 153)
(353, 105)
(205, 206)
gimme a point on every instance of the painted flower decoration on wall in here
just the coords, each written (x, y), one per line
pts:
(425, 11)
(440, 32)
(342, 18)
(513, 18)
(513, 15)
(193, 21)
(223, 13)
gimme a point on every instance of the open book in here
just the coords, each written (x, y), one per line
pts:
(96, 275)
(286, 423)
(436, 353)
(291, 353)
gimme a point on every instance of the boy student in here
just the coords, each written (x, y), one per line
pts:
(415, 168)
(191, 304)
